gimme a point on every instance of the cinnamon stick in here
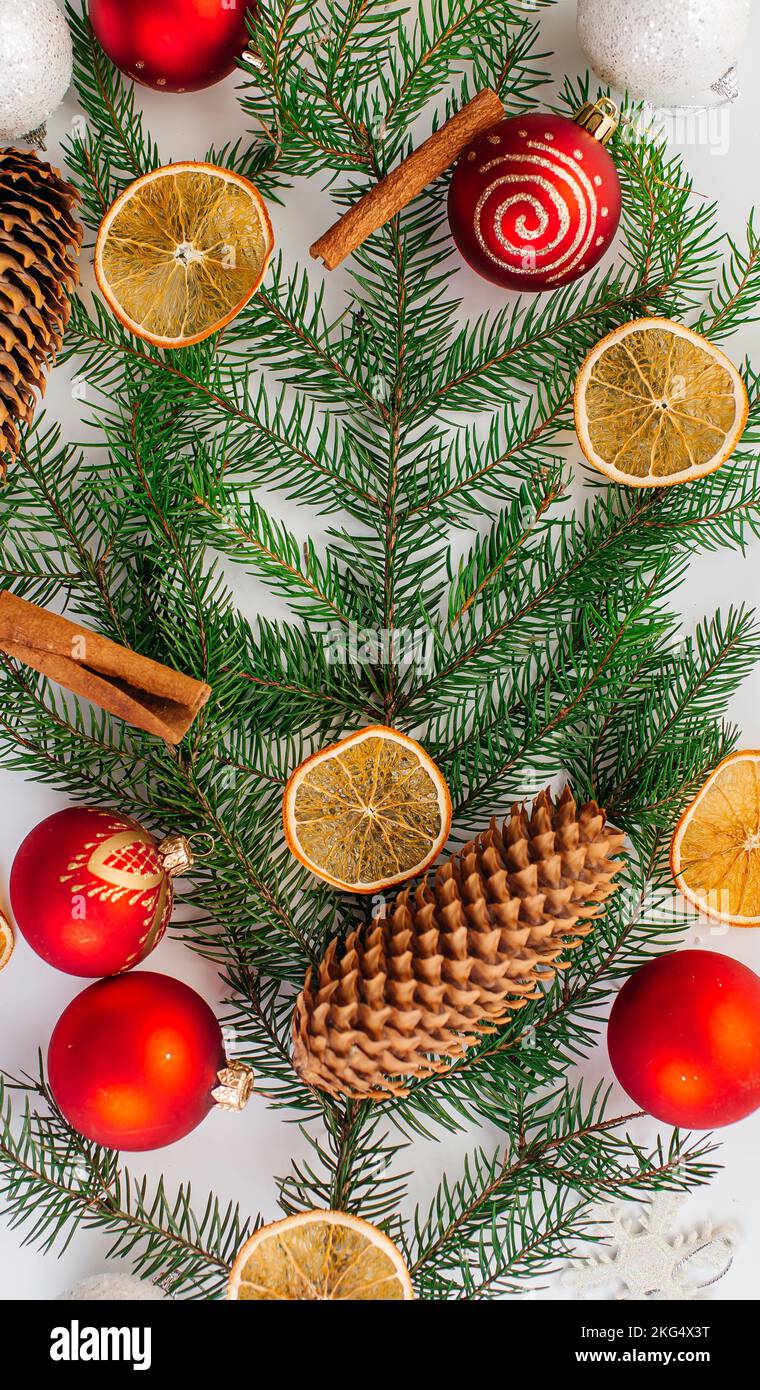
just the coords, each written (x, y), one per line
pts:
(136, 689)
(398, 188)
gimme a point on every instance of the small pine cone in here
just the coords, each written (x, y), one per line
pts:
(452, 957)
(39, 243)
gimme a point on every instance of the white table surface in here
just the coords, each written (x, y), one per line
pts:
(238, 1156)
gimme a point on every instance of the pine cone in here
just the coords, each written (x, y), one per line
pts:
(452, 957)
(39, 242)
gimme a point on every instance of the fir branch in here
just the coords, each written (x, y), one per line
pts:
(352, 1171)
(512, 1213)
(114, 148)
(735, 300)
(53, 1181)
(315, 586)
(554, 646)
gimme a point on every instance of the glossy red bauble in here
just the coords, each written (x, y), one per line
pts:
(172, 45)
(89, 892)
(534, 203)
(684, 1039)
(133, 1061)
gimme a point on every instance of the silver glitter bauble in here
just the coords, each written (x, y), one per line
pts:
(119, 1288)
(36, 61)
(667, 52)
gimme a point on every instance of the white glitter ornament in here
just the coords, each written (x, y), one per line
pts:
(644, 1259)
(667, 52)
(36, 61)
(118, 1288)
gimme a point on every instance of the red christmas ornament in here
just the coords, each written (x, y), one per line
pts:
(174, 45)
(684, 1039)
(133, 1061)
(91, 890)
(535, 202)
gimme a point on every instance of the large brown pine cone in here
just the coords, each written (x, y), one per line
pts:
(39, 244)
(451, 957)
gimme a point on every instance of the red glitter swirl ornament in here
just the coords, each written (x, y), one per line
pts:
(535, 202)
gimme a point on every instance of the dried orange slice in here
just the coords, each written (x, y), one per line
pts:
(6, 940)
(715, 854)
(320, 1256)
(181, 252)
(367, 812)
(657, 404)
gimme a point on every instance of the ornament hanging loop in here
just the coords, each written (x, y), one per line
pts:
(179, 852)
(204, 838)
(721, 1242)
(600, 118)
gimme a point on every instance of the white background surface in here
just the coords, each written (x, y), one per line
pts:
(237, 1156)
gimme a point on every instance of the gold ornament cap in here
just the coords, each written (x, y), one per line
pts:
(177, 854)
(235, 1086)
(600, 118)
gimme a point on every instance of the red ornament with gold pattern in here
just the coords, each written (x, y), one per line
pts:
(91, 890)
(138, 1061)
(535, 202)
(173, 45)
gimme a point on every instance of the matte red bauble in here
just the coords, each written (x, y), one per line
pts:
(535, 202)
(133, 1061)
(172, 45)
(684, 1039)
(90, 891)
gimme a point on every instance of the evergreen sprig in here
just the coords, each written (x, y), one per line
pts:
(434, 448)
(53, 1181)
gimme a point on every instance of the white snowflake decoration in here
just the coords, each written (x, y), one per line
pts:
(112, 1288)
(644, 1259)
